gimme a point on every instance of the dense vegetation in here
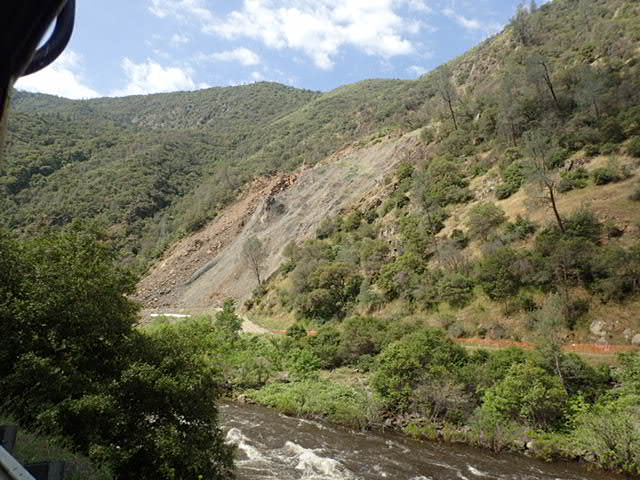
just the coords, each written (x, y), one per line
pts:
(551, 109)
(142, 404)
(532, 107)
(368, 372)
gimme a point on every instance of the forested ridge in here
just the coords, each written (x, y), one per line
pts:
(518, 220)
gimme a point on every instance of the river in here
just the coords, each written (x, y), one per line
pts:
(272, 446)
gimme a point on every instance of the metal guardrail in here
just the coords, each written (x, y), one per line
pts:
(10, 468)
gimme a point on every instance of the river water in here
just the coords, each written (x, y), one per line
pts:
(272, 446)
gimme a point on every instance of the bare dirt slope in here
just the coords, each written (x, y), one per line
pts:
(208, 266)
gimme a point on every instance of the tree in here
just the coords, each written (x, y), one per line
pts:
(255, 255)
(228, 321)
(484, 218)
(539, 167)
(405, 364)
(498, 274)
(521, 23)
(447, 91)
(549, 324)
(538, 72)
(592, 85)
(529, 395)
(72, 363)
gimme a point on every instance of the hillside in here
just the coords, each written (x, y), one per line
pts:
(522, 202)
(546, 110)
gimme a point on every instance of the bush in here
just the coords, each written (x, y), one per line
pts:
(484, 218)
(522, 228)
(633, 147)
(611, 433)
(528, 395)
(455, 289)
(604, 175)
(497, 275)
(361, 336)
(573, 179)
(513, 177)
(405, 363)
(337, 403)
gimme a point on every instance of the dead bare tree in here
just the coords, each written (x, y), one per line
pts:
(255, 254)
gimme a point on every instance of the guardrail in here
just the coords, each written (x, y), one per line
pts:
(11, 469)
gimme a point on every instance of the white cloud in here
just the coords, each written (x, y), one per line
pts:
(417, 70)
(151, 77)
(472, 24)
(181, 9)
(63, 78)
(242, 55)
(178, 39)
(257, 76)
(319, 28)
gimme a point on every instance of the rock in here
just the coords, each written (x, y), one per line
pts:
(636, 340)
(628, 333)
(598, 328)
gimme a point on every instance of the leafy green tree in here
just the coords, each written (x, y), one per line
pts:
(404, 364)
(498, 274)
(456, 289)
(361, 336)
(158, 418)
(229, 323)
(73, 365)
(330, 291)
(611, 433)
(528, 394)
(484, 218)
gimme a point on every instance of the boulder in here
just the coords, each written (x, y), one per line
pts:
(598, 328)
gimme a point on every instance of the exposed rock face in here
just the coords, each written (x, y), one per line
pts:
(208, 266)
(636, 340)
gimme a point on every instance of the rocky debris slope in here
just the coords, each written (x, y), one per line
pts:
(206, 267)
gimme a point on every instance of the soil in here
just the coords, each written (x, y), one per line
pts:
(206, 267)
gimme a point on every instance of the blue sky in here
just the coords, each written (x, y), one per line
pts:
(126, 47)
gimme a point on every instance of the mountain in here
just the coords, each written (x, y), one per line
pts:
(476, 196)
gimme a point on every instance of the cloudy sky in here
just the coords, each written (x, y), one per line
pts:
(129, 47)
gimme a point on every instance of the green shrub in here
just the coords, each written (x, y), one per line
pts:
(404, 364)
(633, 147)
(319, 398)
(484, 218)
(528, 395)
(604, 175)
(522, 228)
(573, 179)
(591, 150)
(455, 289)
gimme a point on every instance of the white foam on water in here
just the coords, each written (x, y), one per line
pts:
(460, 475)
(378, 469)
(314, 466)
(477, 472)
(237, 438)
(394, 444)
(421, 477)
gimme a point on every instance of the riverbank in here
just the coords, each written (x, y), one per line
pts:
(357, 409)
(271, 446)
(369, 373)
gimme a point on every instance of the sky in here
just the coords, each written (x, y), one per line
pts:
(131, 47)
